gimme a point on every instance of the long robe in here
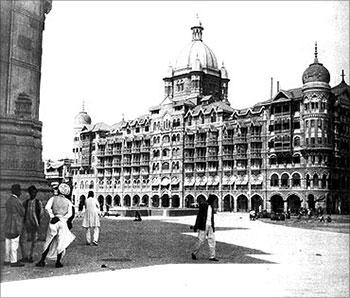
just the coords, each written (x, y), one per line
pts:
(91, 218)
(58, 234)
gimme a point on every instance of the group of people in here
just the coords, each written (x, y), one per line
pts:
(22, 225)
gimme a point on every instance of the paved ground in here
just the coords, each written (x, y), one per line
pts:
(256, 259)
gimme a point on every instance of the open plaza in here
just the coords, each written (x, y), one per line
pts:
(152, 258)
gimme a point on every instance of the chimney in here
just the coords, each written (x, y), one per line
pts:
(271, 88)
(278, 86)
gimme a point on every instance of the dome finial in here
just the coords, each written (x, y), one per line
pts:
(342, 75)
(83, 106)
(316, 60)
(197, 30)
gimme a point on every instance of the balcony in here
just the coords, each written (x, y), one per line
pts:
(212, 142)
(240, 140)
(100, 174)
(212, 170)
(189, 159)
(227, 157)
(116, 174)
(117, 163)
(255, 138)
(189, 144)
(136, 149)
(145, 148)
(200, 158)
(212, 157)
(109, 152)
(189, 170)
(127, 150)
(227, 141)
(108, 173)
(200, 144)
(200, 170)
(135, 163)
(240, 155)
(108, 164)
(127, 163)
(100, 165)
(117, 151)
(100, 153)
(144, 162)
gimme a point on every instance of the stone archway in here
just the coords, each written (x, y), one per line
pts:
(165, 200)
(228, 203)
(277, 204)
(109, 200)
(145, 200)
(116, 200)
(175, 201)
(155, 201)
(200, 199)
(189, 199)
(127, 201)
(101, 200)
(257, 203)
(311, 201)
(242, 203)
(135, 200)
(215, 199)
(293, 204)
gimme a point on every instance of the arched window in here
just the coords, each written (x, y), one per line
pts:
(307, 179)
(166, 139)
(165, 152)
(296, 179)
(173, 138)
(296, 142)
(296, 159)
(273, 160)
(213, 117)
(315, 180)
(165, 166)
(81, 185)
(202, 119)
(274, 180)
(189, 120)
(285, 180)
(324, 181)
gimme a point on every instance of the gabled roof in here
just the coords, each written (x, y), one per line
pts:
(218, 106)
(342, 88)
(101, 126)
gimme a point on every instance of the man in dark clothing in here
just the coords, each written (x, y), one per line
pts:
(206, 228)
(13, 226)
(33, 212)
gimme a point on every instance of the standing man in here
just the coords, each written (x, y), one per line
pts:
(206, 228)
(91, 219)
(13, 226)
(33, 211)
(58, 236)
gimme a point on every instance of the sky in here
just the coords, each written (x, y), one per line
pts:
(113, 55)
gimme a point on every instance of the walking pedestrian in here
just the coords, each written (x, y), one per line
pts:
(206, 228)
(91, 220)
(58, 235)
(33, 210)
(13, 226)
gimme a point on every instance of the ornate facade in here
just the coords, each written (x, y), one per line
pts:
(289, 151)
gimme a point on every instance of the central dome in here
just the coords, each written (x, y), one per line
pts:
(196, 50)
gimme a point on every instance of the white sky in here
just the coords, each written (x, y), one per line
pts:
(114, 54)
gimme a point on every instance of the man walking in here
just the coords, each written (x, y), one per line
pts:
(206, 228)
(91, 219)
(13, 226)
(33, 211)
(58, 235)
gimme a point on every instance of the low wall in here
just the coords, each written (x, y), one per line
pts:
(153, 212)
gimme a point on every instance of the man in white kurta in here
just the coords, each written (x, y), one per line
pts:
(58, 235)
(91, 219)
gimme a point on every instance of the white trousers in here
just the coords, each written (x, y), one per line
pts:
(96, 231)
(209, 234)
(11, 246)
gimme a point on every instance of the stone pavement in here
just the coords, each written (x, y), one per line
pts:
(301, 262)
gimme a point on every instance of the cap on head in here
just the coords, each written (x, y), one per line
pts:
(15, 188)
(54, 185)
(64, 189)
(32, 188)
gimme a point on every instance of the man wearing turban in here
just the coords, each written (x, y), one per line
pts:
(58, 236)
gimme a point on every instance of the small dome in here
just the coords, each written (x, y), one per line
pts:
(82, 119)
(169, 72)
(224, 74)
(316, 72)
